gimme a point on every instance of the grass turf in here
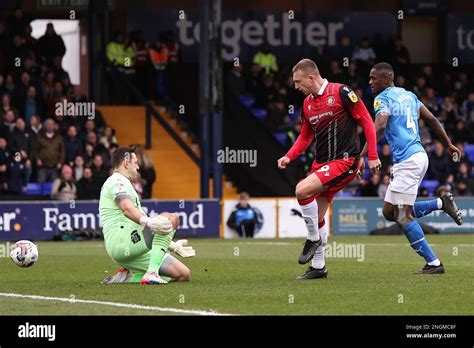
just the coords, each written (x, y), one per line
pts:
(253, 277)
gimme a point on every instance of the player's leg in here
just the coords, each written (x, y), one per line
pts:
(305, 191)
(445, 203)
(318, 266)
(174, 269)
(416, 237)
(159, 247)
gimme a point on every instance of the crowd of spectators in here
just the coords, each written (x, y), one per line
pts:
(38, 144)
(448, 94)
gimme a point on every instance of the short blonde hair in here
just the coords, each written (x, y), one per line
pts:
(306, 65)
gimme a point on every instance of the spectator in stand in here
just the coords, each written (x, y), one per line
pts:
(8, 125)
(9, 84)
(3, 54)
(401, 55)
(138, 184)
(31, 105)
(21, 145)
(5, 158)
(266, 59)
(460, 133)
(335, 72)
(78, 168)
(16, 22)
(20, 92)
(159, 59)
(33, 71)
(108, 137)
(425, 134)
(352, 79)
(147, 171)
(73, 145)
(87, 187)
(432, 100)
(88, 154)
(439, 163)
(6, 105)
(17, 175)
(420, 86)
(465, 175)
(364, 54)
(448, 105)
(64, 188)
(140, 49)
(99, 170)
(31, 44)
(235, 81)
(119, 52)
(277, 117)
(254, 79)
(173, 47)
(34, 127)
(461, 188)
(467, 109)
(382, 190)
(464, 156)
(50, 45)
(16, 51)
(266, 93)
(401, 81)
(431, 80)
(50, 152)
(385, 158)
(99, 149)
(370, 188)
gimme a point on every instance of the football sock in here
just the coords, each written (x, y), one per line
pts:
(423, 208)
(318, 259)
(417, 240)
(136, 277)
(159, 248)
(309, 209)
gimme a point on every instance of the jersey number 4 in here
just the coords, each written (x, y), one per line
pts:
(410, 122)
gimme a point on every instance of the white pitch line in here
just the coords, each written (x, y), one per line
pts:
(370, 244)
(115, 304)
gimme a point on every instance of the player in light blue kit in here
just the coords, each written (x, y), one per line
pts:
(397, 112)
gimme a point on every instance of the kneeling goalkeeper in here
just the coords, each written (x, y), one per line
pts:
(135, 241)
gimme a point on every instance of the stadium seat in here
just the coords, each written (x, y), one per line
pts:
(33, 188)
(469, 150)
(47, 188)
(259, 113)
(247, 100)
(430, 185)
(281, 137)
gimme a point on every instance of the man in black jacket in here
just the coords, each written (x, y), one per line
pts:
(243, 218)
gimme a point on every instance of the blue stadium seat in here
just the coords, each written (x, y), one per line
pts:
(33, 188)
(47, 188)
(430, 185)
(259, 113)
(281, 137)
(469, 149)
(247, 100)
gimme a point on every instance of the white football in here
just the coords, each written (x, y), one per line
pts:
(24, 253)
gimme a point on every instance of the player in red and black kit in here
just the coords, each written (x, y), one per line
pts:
(331, 113)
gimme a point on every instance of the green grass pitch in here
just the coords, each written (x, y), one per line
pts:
(252, 277)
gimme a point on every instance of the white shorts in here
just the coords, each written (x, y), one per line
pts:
(406, 178)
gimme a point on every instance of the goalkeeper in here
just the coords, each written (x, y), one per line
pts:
(135, 241)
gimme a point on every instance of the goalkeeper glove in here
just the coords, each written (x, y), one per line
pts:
(181, 248)
(158, 224)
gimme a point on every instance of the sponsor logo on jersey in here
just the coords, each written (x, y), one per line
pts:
(353, 97)
(377, 103)
(315, 119)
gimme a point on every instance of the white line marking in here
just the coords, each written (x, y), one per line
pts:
(370, 244)
(115, 304)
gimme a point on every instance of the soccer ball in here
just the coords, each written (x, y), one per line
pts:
(24, 253)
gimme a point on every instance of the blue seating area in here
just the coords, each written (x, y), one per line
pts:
(430, 185)
(469, 150)
(35, 189)
(259, 113)
(281, 137)
(247, 100)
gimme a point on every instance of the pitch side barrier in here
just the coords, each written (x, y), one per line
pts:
(46, 220)
(277, 217)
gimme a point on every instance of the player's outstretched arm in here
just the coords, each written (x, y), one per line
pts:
(440, 133)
